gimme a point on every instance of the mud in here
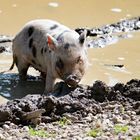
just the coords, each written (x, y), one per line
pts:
(5, 43)
(111, 33)
(73, 103)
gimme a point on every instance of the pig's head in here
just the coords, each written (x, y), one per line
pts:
(70, 57)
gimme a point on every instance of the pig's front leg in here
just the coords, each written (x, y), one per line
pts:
(49, 83)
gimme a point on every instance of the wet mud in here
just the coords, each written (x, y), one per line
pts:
(111, 33)
(72, 103)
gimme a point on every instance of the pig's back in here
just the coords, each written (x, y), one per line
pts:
(48, 26)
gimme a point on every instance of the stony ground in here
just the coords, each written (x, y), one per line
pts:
(92, 112)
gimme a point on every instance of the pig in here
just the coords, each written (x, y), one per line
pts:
(52, 48)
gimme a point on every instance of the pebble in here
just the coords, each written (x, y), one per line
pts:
(2, 137)
(6, 127)
(126, 117)
(117, 119)
(122, 138)
(25, 128)
(88, 118)
(77, 138)
(133, 123)
(108, 134)
(88, 138)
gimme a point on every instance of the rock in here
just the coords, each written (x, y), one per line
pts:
(133, 123)
(126, 117)
(122, 138)
(117, 119)
(77, 138)
(88, 138)
(6, 127)
(2, 137)
(25, 128)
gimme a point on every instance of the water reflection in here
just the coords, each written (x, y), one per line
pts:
(12, 88)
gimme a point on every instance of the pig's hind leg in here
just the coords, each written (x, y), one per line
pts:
(22, 69)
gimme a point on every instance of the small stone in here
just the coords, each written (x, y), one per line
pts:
(104, 138)
(117, 119)
(88, 138)
(6, 127)
(128, 112)
(122, 138)
(77, 138)
(88, 118)
(133, 112)
(133, 117)
(138, 24)
(2, 137)
(25, 128)
(10, 138)
(130, 133)
(126, 117)
(7, 122)
(71, 117)
(108, 133)
(42, 124)
(133, 123)
(12, 125)
(64, 135)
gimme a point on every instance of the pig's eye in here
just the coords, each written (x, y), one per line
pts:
(79, 60)
(60, 64)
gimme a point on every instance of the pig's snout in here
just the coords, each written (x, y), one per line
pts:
(72, 80)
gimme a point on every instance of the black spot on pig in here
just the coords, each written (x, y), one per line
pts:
(16, 60)
(31, 43)
(42, 51)
(45, 50)
(67, 45)
(53, 27)
(59, 64)
(30, 31)
(34, 51)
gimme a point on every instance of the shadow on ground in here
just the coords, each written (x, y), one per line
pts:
(12, 88)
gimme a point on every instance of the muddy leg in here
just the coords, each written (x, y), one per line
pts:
(49, 84)
(43, 76)
(22, 69)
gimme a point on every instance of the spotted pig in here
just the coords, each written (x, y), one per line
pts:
(53, 49)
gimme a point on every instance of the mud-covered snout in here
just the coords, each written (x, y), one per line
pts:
(72, 80)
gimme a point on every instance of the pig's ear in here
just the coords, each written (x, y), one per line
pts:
(83, 36)
(52, 42)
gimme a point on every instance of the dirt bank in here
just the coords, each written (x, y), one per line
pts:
(76, 103)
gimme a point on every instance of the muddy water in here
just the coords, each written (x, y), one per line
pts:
(125, 52)
(87, 13)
